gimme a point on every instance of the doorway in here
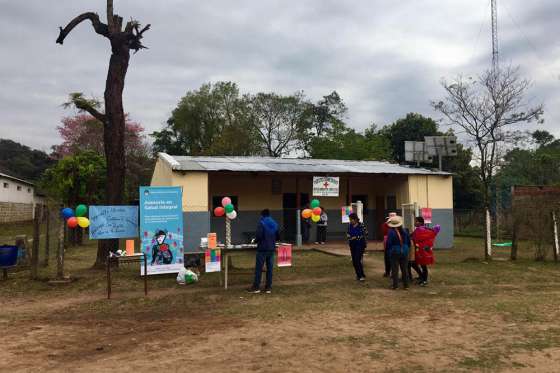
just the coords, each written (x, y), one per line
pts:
(379, 216)
(289, 207)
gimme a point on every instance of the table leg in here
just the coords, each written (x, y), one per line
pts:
(145, 275)
(108, 278)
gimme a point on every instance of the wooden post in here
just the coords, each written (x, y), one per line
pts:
(488, 234)
(555, 231)
(298, 216)
(47, 237)
(35, 246)
(60, 253)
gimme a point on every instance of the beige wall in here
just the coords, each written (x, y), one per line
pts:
(195, 190)
(431, 191)
(162, 174)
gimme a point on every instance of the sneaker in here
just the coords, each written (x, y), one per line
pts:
(316, 243)
(424, 283)
(362, 279)
(406, 287)
(253, 291)
(268, 291)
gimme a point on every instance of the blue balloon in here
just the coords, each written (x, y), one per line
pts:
(67, 213)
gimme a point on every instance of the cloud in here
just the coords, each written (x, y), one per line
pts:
(385, 58)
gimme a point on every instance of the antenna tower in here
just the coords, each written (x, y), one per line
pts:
(494, 7)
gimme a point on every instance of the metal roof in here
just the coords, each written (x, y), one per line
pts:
(289, 165)
(6, 176)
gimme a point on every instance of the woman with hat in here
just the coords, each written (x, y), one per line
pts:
(357, 240)
(385, 230)
(398, 244)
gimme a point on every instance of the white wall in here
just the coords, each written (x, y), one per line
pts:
(15, 192)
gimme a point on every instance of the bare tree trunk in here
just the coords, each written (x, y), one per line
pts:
(555, 232)
(47, 237)
(488, 234)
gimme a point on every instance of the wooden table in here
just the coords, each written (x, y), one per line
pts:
(136, 258)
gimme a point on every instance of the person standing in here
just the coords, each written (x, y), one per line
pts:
(386, 258)
(266, 236)
(305, 228)
(322, 227)
(398, 243)
(423, 238)
(357, 240)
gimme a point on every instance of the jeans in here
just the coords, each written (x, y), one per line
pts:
(262, 257)
(387, 260)
(357, 252)
(321, 233)
(399, 260)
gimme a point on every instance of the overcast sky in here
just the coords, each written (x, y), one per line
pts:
(385, 58)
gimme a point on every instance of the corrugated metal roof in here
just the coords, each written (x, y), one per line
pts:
(16, 179)
(289, 165)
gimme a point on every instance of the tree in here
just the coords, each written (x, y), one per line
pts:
(278, 121)
(23, 162)
(213, 120)
(413, 127)
(113, 119)
(485, 110)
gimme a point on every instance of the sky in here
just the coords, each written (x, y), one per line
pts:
(385, 58)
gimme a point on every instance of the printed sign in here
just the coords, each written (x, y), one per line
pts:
(346, 211)
(161, 227)
(284, 255)
(213, 260)
(427, 215)
(113, 222)
(325, 186)
(212, 240)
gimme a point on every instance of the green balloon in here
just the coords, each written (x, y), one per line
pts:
(81, 210)
(229, 208)
(315, 203)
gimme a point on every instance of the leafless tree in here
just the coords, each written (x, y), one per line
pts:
(113, 117)
(486, 110)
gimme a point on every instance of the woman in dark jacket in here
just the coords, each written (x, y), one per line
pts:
(398, 245)
(357, 239)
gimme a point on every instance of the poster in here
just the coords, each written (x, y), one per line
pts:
(427, 215)
(161, 227)
(284, 256)
(212, 240)
(325, 186)
(346, 211)
(213, 260)
(113, 222)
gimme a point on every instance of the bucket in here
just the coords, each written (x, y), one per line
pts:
(8, 256)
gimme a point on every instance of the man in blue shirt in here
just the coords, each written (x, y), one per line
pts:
(266, 236)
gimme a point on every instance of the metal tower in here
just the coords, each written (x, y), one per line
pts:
(494, 34)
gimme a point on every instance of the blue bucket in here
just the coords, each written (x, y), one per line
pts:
(8, 256)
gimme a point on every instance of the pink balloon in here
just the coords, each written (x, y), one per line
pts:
(226, 201)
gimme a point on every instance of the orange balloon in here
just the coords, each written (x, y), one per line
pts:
(306, 214)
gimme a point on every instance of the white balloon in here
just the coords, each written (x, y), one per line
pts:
(232, 215)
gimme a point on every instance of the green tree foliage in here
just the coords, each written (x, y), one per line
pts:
(413, 127)
(78, 178)
(213, 120)
(23, 162)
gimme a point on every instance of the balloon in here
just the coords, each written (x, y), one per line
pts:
(81, 210)
(72, 222)
(317, 211)
(232, 215)
(226, 201)
(67, 213)
(315, 218)
(229, 208)
(306, 214)
(83, 222)
(219, 211)
(315, 203)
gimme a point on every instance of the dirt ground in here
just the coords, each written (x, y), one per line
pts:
(317, 319)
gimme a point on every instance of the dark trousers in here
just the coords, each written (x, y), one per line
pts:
(387, 261)
(424, 273)
(399, 261)
(357, 252)
(321, 233)
(262, 257)
(305, 232)
(412, 265)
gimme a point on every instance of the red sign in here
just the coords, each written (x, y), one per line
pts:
(427, 215)
(285, 255)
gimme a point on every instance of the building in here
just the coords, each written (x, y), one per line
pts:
(17, 199)
(255, 183)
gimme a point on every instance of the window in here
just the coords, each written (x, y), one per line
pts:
(19, 187)
(217, 201)
(28, 190)
(6, 185)
(392, 203)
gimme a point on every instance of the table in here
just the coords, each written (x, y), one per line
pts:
(136, 258)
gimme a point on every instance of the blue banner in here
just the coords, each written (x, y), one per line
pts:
(113, 222)
(161, 228)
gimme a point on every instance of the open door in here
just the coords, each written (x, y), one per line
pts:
(379, 216)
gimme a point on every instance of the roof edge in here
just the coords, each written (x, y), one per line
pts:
(169, 160)
(17, 179)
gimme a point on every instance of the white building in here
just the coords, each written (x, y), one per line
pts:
(17, 199)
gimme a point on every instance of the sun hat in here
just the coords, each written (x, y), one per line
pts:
(395, 221)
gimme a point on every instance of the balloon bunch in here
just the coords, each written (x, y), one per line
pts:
(76, 219)
(226, 209)
(314, 212)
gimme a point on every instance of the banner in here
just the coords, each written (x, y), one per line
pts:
(161, 227)
(427, 215)
(346, 211)
(284, 255)
(325, 186)
(213, 260)
(113, 222)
